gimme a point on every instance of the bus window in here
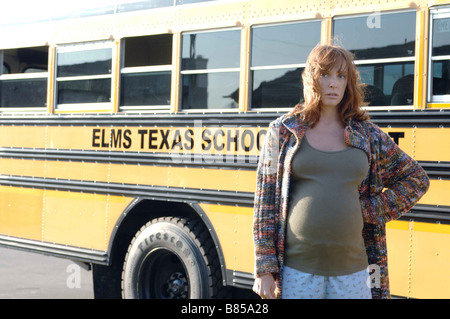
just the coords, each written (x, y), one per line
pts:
(440, 57)
(83, 76)
(210, 69)
(278, 55)
(5, 69)
(23, 81)
(384, 48)
(146, 73)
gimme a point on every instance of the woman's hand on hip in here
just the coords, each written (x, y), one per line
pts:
(265, 286)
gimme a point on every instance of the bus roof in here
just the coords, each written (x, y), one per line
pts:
(25, 11)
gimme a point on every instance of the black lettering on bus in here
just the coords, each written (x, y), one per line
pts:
(152, 138)
(259, 141)
(164, 139)
(206, 138)
(142, 133)
(396, 136)
(219, 147)
(176, 141)
(127, 138)
(231, 139)
(252, 140)
(116, 138)
(188, 136)
(104, 144)
(95, 137)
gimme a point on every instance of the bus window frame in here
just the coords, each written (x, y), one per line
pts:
(141, 70)
(273, 67)
(363, 62)
(99, 107)
(144, 69)
(436, 100)
(182, 72)
(23, 76)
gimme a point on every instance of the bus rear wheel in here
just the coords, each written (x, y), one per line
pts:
(171, 258)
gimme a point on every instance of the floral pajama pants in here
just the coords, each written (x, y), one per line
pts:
(300, 285)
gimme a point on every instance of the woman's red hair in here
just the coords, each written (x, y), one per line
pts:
(322, 59)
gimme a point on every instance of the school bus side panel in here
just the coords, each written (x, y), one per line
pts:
(21, 212)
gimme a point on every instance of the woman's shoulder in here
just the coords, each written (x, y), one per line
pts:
(287, 119)
(367, 126)
(279, 120)
(372, 131)
(276, 125)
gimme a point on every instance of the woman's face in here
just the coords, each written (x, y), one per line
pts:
(332, 85)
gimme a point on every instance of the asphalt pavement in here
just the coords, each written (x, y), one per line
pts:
(25, 275)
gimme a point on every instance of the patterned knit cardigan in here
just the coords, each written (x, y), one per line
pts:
(395, 182)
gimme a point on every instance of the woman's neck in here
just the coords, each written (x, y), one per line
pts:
(329, 116)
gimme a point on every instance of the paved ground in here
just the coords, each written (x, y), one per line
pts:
(25, 275)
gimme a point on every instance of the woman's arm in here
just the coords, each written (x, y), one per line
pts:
(265, 207)
(404, 180)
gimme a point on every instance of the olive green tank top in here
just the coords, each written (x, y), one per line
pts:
(324, 225)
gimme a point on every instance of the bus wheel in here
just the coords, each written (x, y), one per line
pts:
(171, 258)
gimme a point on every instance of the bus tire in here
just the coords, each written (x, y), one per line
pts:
(171, 258)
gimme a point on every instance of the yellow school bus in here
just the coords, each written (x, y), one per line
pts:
(130, 132)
